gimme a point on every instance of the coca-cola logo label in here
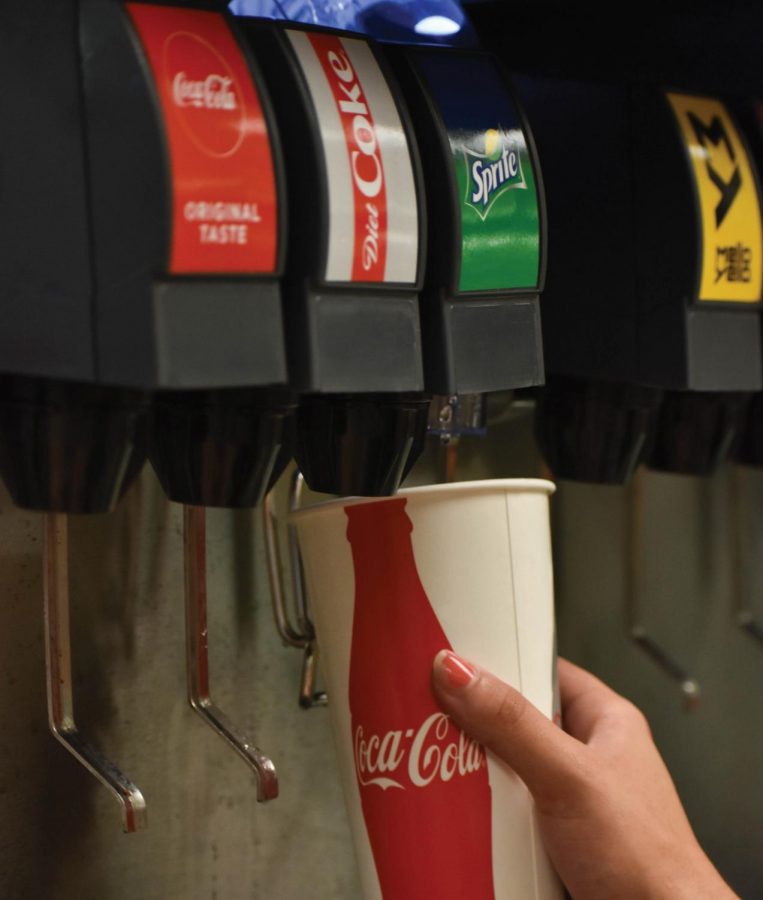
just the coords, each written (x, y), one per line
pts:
(214, 92)
(423, 785)
(224, 212)
(416, 756)
(206, 96)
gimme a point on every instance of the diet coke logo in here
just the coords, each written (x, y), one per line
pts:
(366, 166)
(214, 92)
(434, 751)
(205, 94)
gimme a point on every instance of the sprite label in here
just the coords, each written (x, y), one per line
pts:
(495, 181)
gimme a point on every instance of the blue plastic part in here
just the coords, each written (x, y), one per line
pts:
(402, 21)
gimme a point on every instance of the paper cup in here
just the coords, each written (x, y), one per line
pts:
(392, 581)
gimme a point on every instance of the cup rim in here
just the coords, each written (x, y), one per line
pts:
(482, 486)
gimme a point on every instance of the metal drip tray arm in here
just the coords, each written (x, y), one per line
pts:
(302, 634)
(59, 672)
(197, 656)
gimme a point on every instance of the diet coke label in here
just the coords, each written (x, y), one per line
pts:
(373, 213)
(224, 215)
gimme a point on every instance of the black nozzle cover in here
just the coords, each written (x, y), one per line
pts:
(362, 445)
(222, 448)
(748, 449)
(695, 431)
(69, 447)
(593, 430)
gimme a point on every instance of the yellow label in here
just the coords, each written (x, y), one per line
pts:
(732, 235)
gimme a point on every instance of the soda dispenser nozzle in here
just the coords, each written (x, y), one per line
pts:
(223, 447)
(595, 431)
(359, 444)
(455, 415)
(69, 447)
(695, 431)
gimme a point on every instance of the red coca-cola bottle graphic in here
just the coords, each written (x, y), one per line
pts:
(423, 784)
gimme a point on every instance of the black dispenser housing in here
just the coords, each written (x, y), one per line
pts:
(71, 440)
(485, 201)
(626, 314)
(182, 143)
(354, 264)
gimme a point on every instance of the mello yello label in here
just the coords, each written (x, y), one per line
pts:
(497, 192)
(732, 239)
(224, 210)
(373, 227)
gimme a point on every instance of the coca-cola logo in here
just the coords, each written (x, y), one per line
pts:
(205, 94)
(434, 751)
(214, 92)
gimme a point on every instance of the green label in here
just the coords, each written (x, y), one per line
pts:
(498, 208)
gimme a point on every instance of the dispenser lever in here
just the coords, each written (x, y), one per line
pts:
(303, 635)
(743, 613)
(197, 655)
(688, 685)
(59, 672)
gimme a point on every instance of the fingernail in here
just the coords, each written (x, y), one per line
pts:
(453, 672)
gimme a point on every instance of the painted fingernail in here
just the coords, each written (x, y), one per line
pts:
(453, 672)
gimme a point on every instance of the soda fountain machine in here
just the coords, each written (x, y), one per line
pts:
(182, 272)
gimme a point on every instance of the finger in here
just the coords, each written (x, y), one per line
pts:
(500, 718)
(591, 711)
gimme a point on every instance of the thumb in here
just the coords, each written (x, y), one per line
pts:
(502, 720)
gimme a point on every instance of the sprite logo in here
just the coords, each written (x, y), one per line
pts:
(493, 172)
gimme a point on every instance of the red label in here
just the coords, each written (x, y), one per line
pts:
(423, 783)
(369, 188)
(224, 212)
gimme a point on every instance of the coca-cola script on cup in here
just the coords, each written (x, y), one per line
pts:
(392, 582)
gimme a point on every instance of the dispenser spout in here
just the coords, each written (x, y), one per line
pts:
(59, 672)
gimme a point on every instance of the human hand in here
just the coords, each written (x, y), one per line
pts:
(609, 813)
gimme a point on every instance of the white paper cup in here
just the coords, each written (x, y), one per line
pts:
(391, 582)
